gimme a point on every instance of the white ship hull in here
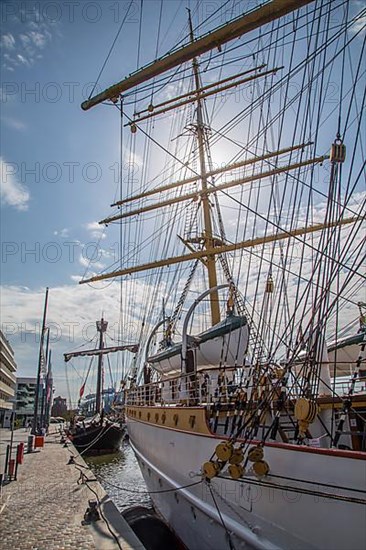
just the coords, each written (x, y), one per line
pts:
(277, 513)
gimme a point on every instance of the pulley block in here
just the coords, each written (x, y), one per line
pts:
(261, 468)
(255, 454)
(224, 451)
(236, 471)
(305, 409)
(210, 469)
(237, 456)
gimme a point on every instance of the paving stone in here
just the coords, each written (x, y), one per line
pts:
(44, 508)
(45, 505)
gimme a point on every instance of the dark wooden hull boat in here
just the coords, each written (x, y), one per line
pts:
(97, 439)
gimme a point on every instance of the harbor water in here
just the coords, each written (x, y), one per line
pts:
(120, 475)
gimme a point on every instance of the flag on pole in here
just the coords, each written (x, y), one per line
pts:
(48, 396)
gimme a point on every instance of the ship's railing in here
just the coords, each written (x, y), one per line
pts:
(341, 385)
(209, 388)
(186, 389)
(190, 389)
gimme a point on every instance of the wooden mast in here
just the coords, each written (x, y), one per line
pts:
(101, 328)
(227, 32)
(208, 240)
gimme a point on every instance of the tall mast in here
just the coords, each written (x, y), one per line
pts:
(101, 328)
(208, 236)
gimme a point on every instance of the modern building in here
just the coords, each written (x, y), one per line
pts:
(59, 406)
(25, 395)
(24, 401)
(8, 369)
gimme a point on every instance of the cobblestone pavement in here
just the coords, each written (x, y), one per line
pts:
(44, 508)
(19, 436)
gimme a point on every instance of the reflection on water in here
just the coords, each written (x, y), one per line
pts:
(119, 471)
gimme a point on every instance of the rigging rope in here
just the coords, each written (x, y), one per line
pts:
(111, 49)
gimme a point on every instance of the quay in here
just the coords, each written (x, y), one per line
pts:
(48, 508)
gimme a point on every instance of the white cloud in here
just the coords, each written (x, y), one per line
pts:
(24, 45)
(12, 192)
(91, 226)
(23, 60)
(90, 263)
(14, 123)
(38, 39)
(133, 159)
(84, 261)
(171, 91)
(8, 41)
(359, 25)
(63, 233)
(96, 231)
(25, 40)
(72, 312)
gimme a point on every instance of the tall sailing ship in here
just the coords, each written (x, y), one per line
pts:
(247, 404)
(97, 433)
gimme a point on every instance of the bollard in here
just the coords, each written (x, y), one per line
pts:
(20, 453)
(30, 444)
(39, 442)
(11, 469)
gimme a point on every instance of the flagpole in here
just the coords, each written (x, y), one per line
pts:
(48, 392)
(44, 385)
(36, 398)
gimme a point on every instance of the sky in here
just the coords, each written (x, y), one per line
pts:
(59, 164)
